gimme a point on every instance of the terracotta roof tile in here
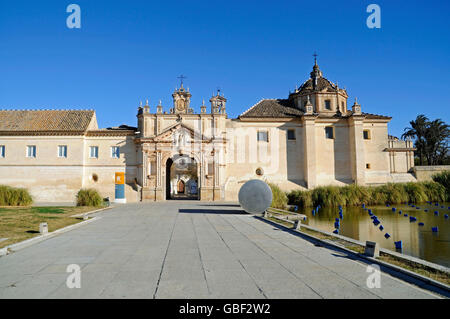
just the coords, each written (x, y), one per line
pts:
(272, 108)
(45, 120)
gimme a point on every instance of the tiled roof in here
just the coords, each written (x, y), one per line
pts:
(280, 108)
(45, 120)
(272, 108)
(322, 84)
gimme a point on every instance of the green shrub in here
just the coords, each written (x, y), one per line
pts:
(300, 198)
(89, 197)
(279, 198)
(354, 195)
(443, 179)
(10, 196)
(327, 196)
(435, 192)
(416, 192)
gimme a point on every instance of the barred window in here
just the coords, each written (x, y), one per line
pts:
(291, 135)
(263, 136)
(329, 132)
(31, 151)
(62, 151)
(115, 152)
(93, 151)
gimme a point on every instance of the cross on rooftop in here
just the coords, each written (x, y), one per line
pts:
(182, 77)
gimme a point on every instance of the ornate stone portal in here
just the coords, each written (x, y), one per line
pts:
(182, 152)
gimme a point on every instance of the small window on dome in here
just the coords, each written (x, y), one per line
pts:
(327, 104)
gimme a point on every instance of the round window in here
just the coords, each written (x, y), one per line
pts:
(259, 171)
(95, 177)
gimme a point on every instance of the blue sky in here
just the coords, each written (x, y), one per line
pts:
(127, 51)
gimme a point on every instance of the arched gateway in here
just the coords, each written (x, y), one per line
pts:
(182, 178)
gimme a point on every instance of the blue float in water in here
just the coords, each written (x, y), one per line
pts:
(376, 222)
(370, 211)
(442, 207)
(381, 227)
(337, 225)
(394, 209)
(421, 224)
(436, 213)
(412, 219)
(398, 244)
(445, 216)
(437, 204)
(387, 205)
(417, 207)
(406, 215)
(387, 235)
(426, 210)
(413, 206)
(336, 231)
(434, 229)
(337, 220)
(295, 208)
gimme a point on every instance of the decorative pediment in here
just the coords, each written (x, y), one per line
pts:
(179, 134)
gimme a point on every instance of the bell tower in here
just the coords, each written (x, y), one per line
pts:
(181, 99)
(218, 103)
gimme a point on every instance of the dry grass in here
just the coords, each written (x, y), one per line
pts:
(417, 268)
(21, 223)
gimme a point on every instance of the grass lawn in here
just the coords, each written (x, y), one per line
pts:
(21, 223)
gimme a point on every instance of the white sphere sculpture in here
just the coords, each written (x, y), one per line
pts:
(255, 196)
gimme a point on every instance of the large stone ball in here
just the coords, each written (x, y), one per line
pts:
(255, 196)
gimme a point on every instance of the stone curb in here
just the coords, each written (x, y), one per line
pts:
(424, 279)
(92, 212)
(26, 243)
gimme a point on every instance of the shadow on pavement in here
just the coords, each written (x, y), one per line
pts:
(213, 211)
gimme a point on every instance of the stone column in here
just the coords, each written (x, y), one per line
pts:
(309, 144)
(358, 162)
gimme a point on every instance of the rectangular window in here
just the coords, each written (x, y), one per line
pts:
(31, 151)
(366, 134)
(115, 152)
(329, 132)
(327, 104)
(2, 151)
(263, 136)
(93, 152)
(62, 151)
(368, 165)
(291, 135)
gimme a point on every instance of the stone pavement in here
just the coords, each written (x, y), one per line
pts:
(189, 250)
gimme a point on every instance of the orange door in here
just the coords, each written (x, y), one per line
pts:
(180, 187)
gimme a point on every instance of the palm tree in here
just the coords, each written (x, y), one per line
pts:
(417, 131)
(436, 138)
(431, 139)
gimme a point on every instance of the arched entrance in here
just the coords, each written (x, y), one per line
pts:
(181, 178)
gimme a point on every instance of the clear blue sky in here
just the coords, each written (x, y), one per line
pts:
(127, 51)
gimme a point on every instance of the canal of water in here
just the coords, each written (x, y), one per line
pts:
(418, 241)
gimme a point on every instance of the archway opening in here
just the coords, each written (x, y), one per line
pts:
(182, 178)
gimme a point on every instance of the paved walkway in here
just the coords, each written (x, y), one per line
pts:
(188, 250)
